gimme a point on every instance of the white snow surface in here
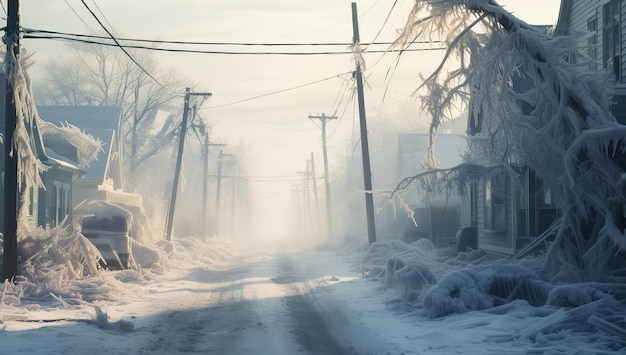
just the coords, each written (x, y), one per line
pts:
(364, 296)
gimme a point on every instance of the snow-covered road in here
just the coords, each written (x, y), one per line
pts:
(269, 303)
(214, 297)
(261, 302)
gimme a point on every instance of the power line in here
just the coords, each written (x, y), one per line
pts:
(277, 92)
(276, 44)
(346, 52)
(79, 17)
(118, 44)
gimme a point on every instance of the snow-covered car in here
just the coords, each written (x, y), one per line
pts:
(109, 233)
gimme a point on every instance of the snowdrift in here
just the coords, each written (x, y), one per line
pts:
(438, 285)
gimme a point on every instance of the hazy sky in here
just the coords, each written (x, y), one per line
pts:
(276, 129)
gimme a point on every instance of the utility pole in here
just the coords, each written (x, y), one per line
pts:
(235, 179)
(329, 218)
(308, 220)
(10, 160)
(219, 188)
(179, 161)
(205, 181)
(314, 179)
(367, 173)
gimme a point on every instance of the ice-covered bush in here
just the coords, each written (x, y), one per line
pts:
(478, 288)
(457, 292)
(408, 276)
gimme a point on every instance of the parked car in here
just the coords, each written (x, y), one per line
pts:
(109, 233)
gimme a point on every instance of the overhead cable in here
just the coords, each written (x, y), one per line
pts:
(346, 52)
(202, 43)
(118, 44)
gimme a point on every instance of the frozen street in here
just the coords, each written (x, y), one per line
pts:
(250, 302)
(270, 303)
(218, 297)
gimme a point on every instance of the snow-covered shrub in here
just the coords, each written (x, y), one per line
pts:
(457, 292)
(408, 276)
(471, 289)
(375, 260)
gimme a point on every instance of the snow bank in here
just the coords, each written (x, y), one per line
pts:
(437, 285)
(410, 268)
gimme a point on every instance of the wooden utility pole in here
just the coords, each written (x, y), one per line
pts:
(205, 180)
(314, 179)
(308, 220)
(10, 158)
(218, 191)
(179, 161)
(367, 174)
(329, 213)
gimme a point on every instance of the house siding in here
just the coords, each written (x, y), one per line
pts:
(581, 12)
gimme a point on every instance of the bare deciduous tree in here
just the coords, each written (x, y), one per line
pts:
(104, 76)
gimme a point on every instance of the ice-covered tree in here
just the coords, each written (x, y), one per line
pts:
(561, 126)
(104, 76)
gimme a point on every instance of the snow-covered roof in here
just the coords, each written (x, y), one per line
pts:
(101, 122)
(96, 171)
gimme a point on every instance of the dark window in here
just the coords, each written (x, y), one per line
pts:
(495, 202)
(60, 202)
(592, 42)
(611, 38)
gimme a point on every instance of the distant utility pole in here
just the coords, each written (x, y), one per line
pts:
(314, 179)
(10, 160)
(367, 173)
(218, 191)
(323, 118)
(205, 181)
(179, 161)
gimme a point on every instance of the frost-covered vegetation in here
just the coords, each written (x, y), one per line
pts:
(62, 266)
(435, 283)
(560, 126)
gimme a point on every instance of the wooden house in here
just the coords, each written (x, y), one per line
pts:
(50, 205)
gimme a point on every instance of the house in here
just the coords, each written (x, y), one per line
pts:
(50, 205)
(103, 179)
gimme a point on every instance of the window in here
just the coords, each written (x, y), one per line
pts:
(611, 51)
(522, 205)
(495, 202)
(592, 42)
(60, 206)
